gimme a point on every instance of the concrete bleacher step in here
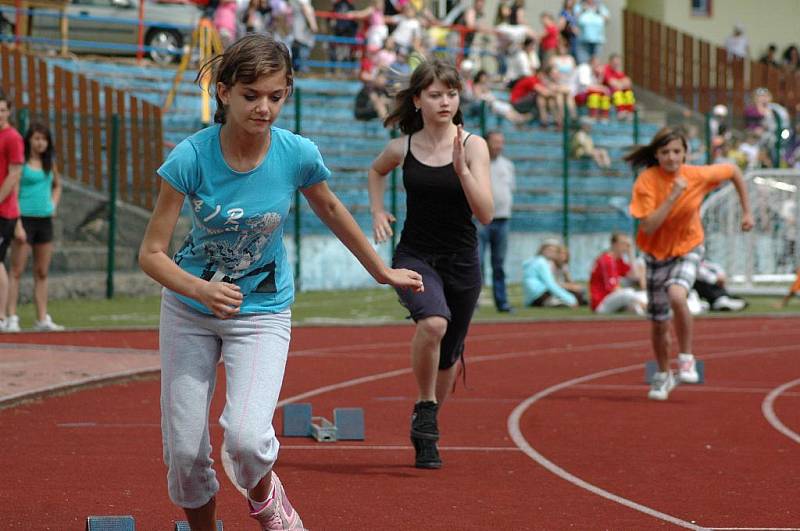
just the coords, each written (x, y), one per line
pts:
(72, 256)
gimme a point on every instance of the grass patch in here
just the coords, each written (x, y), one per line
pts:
(361, 306)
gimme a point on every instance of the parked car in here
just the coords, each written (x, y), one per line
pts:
(111, 27)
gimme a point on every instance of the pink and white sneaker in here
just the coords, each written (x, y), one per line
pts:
(687, 369)
(278, 513)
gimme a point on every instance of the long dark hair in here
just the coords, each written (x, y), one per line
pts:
(47, 155)
(244, 61)
(645, 156)
(405, 114)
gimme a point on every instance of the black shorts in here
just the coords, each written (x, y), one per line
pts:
(38, 230)
(6, 235)
(452, 287)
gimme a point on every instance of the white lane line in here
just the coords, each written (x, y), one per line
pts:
(394, 447)
(753, 528)
(768, 409)
(519, 439)
(686, 387)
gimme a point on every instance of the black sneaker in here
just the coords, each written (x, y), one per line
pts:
(424, 434)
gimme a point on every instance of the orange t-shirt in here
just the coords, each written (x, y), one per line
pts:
(681, 230)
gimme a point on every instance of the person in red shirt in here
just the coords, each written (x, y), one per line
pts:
(12, 156)
(530, 92)
(548, 39)
(620, 85)
(616, 284)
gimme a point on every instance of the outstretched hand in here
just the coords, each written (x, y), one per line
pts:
(222, 298)
(405, 279)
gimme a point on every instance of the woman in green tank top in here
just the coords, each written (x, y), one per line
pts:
(39, 194)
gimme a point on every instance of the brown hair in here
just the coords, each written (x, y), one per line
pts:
(645, 156)
(405, 114)
(244, 61)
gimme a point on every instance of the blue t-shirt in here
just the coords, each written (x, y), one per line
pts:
(238, 217)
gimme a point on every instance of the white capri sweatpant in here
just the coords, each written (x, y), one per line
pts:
(253, 349)
(623, 299)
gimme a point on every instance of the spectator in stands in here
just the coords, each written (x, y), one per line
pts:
(548, 38)
(791, 58)
(737, 44)
(620, 86)
(470, 17)
(531, 93)
(228, 290)
(258, 16)
(591, 91)
(373, 100)
(12, 157)
(566, 66)
(710, 286)
(539, 284)
(592, 17)
(494, 236)
(522, 61)
(39, 194)
(375, 29)
(344, 29)
(616, 284)
(510, 35)
(697, 151)
(225, 21)
(482, 91)
(304, 29)
(666, 200)
(568, 24)
(408, 29)
(582, 145)
(770, 57)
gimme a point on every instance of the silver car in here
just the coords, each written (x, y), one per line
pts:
(111, 27)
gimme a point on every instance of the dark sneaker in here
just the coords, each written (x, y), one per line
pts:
(424, 434)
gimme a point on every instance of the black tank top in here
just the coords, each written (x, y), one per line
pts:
(438, 217)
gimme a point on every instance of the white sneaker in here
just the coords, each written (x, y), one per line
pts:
(727, 304)
(11, 324)
(693, 303)
(687, 369)
(662, 384)
(47, 325)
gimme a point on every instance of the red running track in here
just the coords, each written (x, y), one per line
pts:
(553, 432)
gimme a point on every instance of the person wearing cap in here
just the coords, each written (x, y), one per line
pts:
(539, 284)
(737, 44)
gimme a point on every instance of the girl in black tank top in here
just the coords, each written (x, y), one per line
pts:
(446, 176)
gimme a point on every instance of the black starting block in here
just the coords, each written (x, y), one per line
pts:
(110, 523)
(183, 525)
(347, 425)
(651, 367)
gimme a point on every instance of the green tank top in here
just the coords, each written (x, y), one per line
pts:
(35, 192)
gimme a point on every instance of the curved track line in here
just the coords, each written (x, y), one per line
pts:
(767, 408)
(519, 439)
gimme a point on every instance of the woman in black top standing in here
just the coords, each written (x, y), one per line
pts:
(446, 177)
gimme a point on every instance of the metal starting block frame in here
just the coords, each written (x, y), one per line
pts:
(651, 367)
(347, 425)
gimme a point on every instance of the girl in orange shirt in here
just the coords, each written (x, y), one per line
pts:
(666, 201)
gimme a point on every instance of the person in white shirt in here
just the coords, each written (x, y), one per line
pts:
(495, 234)
(737, 44)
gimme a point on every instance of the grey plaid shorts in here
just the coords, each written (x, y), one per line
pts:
(661, 274)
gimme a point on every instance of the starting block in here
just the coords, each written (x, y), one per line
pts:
(110, 523)
(651, 367)
(347, 425)
(183, 525)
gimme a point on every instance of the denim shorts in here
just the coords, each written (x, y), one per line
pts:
(452, 287)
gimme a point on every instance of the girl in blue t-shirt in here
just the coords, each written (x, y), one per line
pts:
(229, 287)
(39, 194)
